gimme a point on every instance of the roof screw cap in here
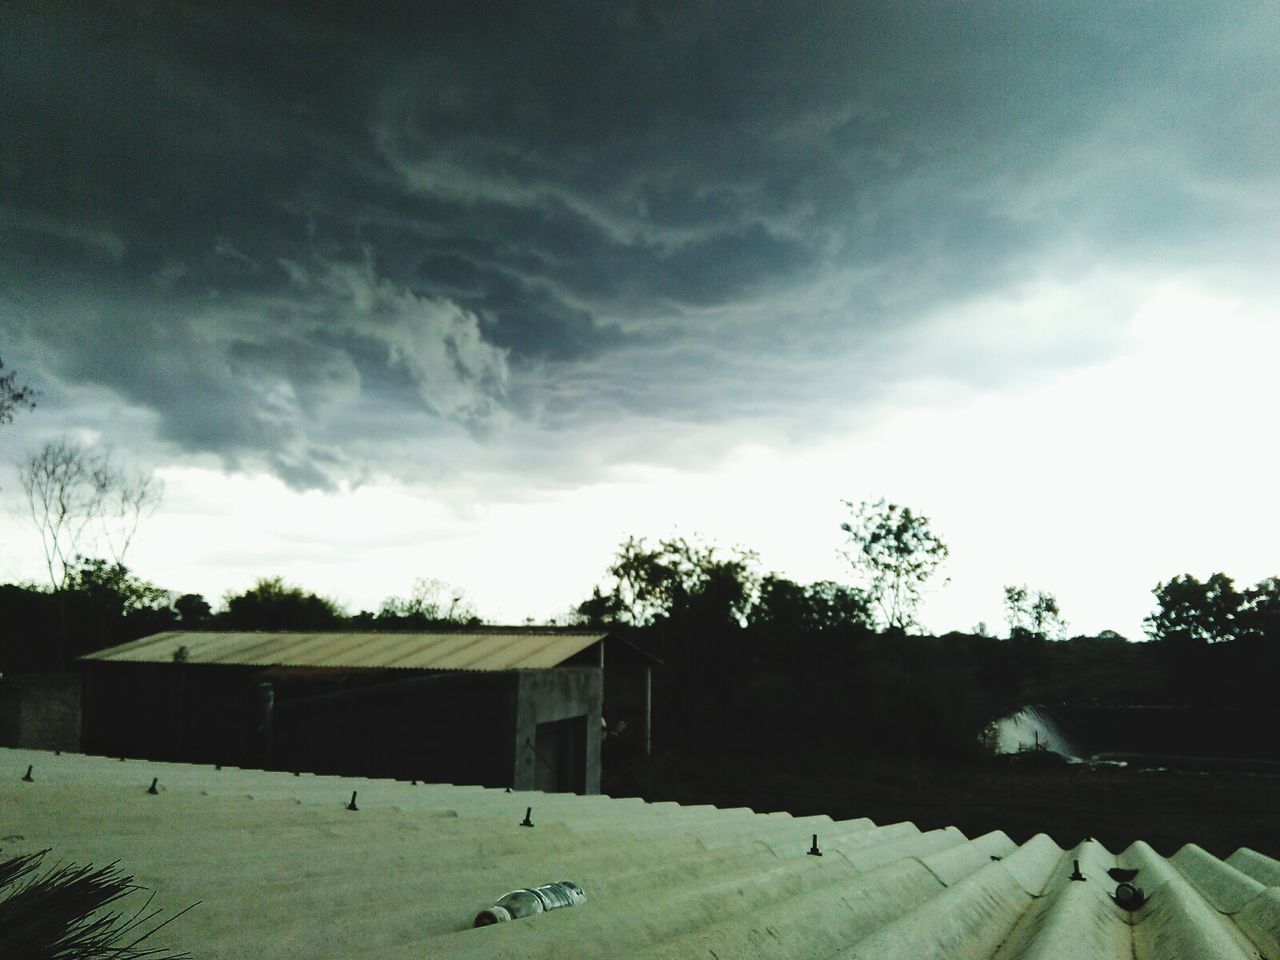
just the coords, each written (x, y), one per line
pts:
(26, 777)
(152, 789)
(352, 804)
(1129, 896)
(527, 821)
(813, 850)
(1076, 874)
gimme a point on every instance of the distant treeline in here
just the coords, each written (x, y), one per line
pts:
(755, 664)
(103, 604)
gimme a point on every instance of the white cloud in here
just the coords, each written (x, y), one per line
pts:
(457, 372)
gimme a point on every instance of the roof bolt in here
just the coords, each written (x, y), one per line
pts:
(26, 777)
(1076, 874)
(527, 822)
(297, 773)
(217, 766)
(413, 783)
(352, 804)
(813, 850)
(152, 789)
(1129, 896)
(57, 753)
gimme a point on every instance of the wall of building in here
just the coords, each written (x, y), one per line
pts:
(551, 696)
(464, 728)
(201, 713)
(40, 711)
(449, 728)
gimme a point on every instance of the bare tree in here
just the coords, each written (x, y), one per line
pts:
(83, 504)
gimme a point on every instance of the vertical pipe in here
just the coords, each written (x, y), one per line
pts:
(648, 711)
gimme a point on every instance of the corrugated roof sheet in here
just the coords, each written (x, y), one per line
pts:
(460, 650)
(282, 869)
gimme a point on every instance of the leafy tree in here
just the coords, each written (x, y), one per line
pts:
(14, 396)
(824, 605)
(675, 580)
(111, 586)
(192, 609)
(1033, 614)
(106, 604)
(1188, 611)
(272, 604)
(431, 602)
(1259, 616)
(598, 610)
(895, 553)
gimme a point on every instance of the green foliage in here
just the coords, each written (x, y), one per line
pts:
(1259, 615)
(1034, 614)
(272, 604)
(825, 605)
(192, 609)
(675, 581)
(895, 553)
(1195, 613)
(112, 589)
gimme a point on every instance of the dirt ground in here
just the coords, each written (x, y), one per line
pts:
(1220, 811)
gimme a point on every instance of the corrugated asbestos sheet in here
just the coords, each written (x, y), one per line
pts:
(410, 651)
(282, 868)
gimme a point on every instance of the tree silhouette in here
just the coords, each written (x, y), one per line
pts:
(895, 553)
(430, 603)
(272, 604)
(193, 609)
(1189, 611)
(84, 504)
(14, 396)
(1033, 614)
(675, 580)
(825, 605)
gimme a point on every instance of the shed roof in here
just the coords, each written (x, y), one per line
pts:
(282, 869)
(458, 650)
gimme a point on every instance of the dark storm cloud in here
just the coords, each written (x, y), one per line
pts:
(492, 218)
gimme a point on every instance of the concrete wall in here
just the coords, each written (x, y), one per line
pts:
(40, 711)
(547, 696)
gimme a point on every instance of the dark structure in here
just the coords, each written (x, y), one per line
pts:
(40, 711)
(520, 710)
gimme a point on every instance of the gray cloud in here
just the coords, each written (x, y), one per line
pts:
(470, 230)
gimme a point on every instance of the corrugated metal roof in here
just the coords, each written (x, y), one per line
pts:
(283, 870)
(460, 650)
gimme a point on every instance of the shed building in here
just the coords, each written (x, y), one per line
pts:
(510, 708)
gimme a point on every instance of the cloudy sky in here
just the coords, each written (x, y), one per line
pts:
(473, 291)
